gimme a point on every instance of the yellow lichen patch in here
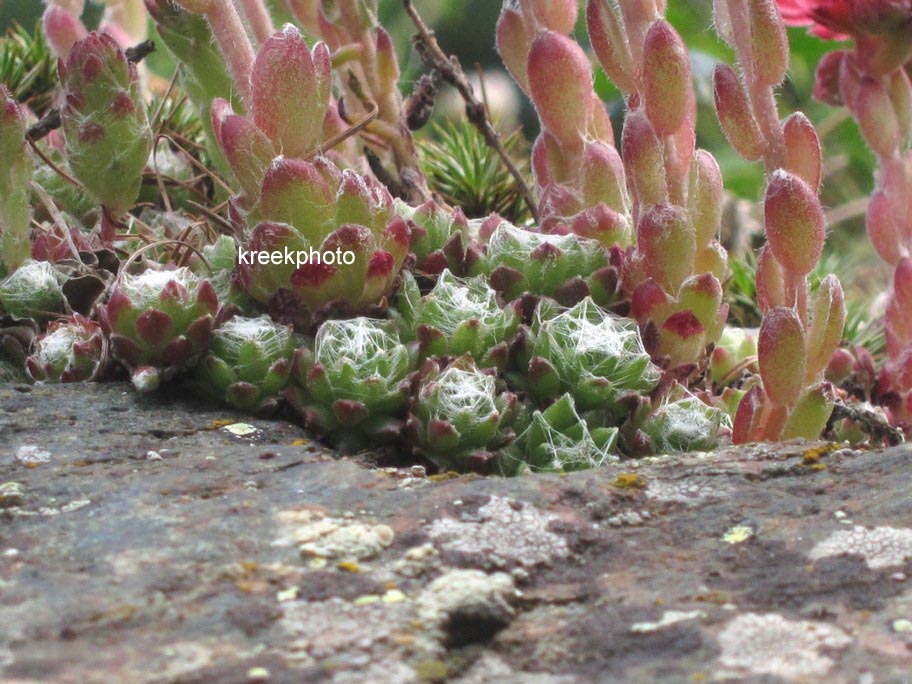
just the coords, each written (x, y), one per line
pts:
(366, 600)
(289, 594)
(431, 671)
(715, 597)
(738, 534)
(812, 456)
(629, 481)
(349, 566)
(443, 477)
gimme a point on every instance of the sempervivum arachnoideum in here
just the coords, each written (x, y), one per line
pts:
(34, 290)
(559, 439)
(585, 351)
(457, 317)
(461, 419)
(72, 350)
(440, 237)
(159, 322)
(563, 267)
(248, 364)
(684, 423)
(354, 385)
(342, 226)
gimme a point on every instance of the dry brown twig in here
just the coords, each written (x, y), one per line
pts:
(450, 70)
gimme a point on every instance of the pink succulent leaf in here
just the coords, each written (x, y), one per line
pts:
(782, 353)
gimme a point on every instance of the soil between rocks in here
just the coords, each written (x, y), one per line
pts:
(155, 539)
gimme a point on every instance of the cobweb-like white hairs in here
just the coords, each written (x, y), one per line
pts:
(144, 289)
(57, 346)
(35, 283)
(571, 453)
(686, 424)
(467, 393)
(598, 344)
(271, 340)
(519, 243)
(452, 302)
(369, 347)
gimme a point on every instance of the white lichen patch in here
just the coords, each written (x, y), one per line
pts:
(503, 532)
(691, 491)
(319, 537)
(30, 455)
(669, 617)
(323, 629)
(770, 644)
(241, 429)
(881, 547)
(465, 591)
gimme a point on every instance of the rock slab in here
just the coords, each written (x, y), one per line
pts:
(160, 540)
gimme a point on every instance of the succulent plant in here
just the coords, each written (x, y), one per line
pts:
(329, 238)
(588, 353)
(72, 350)
(463, 169)
(16, 168)
(684, 423)
(159, 322)
(460, 419)
(457, 317)
(34, 290)
(736, 350)
(354, 385)
(558, 439)
(28, 68)
(566, 268)
(439, 237)
(248, 364)
(108, 139)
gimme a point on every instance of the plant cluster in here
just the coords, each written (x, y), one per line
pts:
(290, 244)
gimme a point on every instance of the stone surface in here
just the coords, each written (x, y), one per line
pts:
(151, 539)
